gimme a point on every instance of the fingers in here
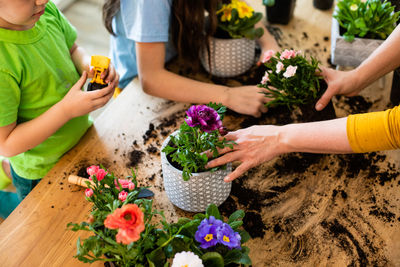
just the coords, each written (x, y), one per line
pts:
(102, 92)
(324, 100)
(242, 168)
(81, 82)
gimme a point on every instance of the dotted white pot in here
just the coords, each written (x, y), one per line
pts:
(229, 57)
(201, 190)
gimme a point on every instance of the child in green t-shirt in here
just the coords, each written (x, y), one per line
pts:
(43, 110)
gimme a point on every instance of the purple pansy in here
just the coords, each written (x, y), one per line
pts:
(228, 237)
(207, 232)
(205, 117)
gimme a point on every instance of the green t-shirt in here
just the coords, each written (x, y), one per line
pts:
(36, 72)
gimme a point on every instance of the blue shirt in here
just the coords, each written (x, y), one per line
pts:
(139, 21)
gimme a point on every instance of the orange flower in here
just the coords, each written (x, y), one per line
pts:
(129, 221)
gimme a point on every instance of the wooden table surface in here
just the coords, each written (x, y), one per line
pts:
(320, 214)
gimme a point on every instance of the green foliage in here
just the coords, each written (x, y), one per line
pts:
(238, 20)
(187, 147)
(302, 88)
(371, 19)
(160, 240)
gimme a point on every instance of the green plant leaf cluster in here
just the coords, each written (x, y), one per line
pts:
(160, 240)
(188, 146)
(371, 19)
(238, 27)
(302, 88)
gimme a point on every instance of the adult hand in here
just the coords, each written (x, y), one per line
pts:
(77, 102)
(339, 83)
(248, 100)
(254, 145)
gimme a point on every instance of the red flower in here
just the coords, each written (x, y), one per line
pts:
(129, 221)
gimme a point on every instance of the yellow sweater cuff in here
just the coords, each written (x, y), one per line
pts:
(374, 131)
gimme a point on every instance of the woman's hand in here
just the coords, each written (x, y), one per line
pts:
(339, 83)
(77, 102)
(254, 145)
(248, 100)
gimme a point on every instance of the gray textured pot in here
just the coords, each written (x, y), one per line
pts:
(201, 190)
(350, 54)
(229, 57)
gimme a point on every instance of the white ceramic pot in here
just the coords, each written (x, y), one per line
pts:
(229, 57)
(201, 190)
(350, 54)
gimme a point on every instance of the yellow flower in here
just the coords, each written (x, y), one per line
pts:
(226, 12)
(243, 9)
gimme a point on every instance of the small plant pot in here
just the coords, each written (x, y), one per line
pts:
(281, 12)
(323, 4)
(229, 57)
(201, 190)
(350, 54)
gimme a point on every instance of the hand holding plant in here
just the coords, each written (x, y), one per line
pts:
(200, 132)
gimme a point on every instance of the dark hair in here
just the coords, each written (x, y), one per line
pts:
(187, 26)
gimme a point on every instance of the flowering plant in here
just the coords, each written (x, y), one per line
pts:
(124, 231)
(290, 78)
(238, 20)
(200, 132)
(373, 19)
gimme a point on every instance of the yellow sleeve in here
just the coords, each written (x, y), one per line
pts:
(374, 131)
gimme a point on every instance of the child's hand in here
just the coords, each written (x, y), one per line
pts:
(247, 100)
(77, 102)
(110, 75)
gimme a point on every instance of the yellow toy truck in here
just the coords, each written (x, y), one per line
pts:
(100, 64)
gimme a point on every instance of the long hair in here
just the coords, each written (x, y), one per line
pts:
(110, 9)
(187, 26)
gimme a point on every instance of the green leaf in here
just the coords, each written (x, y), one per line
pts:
(212, 259)
(212, 210)
(237, 215)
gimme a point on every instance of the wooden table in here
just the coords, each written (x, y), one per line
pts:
(329, 211)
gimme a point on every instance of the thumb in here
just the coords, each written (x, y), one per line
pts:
(324, 100)
(82, 80)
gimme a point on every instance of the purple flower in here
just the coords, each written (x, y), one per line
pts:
(228, 237)
(207, 232)
(205, 117)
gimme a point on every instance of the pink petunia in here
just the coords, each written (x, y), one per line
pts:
(288, 54)
(265, 79)
(125, 183)
(88, 192)
(131, 186)
(92, 170)
(96, 171)
(290, 71)
(279, 67)
(101, 174)
(122, 195)
(267, 55)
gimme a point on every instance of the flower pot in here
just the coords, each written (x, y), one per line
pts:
(229, 57)
(350, 54)
(201, 190)
(281, 12)
(323, 4)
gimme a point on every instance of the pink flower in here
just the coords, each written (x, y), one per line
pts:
(265, 79)
(131, 186)
(88, 192)
(267, 55)
(290, 71)
(279, 67)
(96, 171)
(122, 195)
(92, 170)
(288, 54)
(129, 220)
(125, 184)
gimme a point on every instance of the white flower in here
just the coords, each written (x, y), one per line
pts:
(279, 67)
(290, 71)
(265, 78)
(186, 259)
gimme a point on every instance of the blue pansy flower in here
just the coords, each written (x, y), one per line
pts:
(207, 232)
(228, 237)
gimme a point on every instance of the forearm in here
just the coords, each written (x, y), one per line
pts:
(80, 58)
(383, 60)
(168, 85)
(315, 137)
(29, 134)
(266, 41)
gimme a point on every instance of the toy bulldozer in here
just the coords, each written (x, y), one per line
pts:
(100, 64)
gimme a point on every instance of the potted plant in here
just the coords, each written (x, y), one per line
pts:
(127, 231)
(279, 11)
(358, 28)
(187, 183)
(293, 81)
(232, 49)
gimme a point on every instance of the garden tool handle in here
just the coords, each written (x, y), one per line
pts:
(74, 179)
